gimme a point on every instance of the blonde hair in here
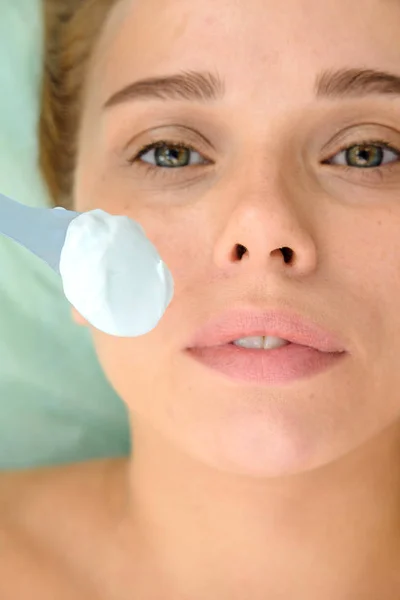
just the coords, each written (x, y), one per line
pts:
(71, 30)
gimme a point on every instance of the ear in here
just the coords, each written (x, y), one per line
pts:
(77, 317)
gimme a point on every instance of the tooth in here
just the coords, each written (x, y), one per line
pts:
(273, 342)
(261, 343)
(251, 342)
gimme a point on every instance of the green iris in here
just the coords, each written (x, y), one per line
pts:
(362, 156)
(172, 156)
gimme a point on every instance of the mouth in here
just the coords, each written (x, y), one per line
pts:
(271, 348)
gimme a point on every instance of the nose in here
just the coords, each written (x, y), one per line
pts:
(265, 227)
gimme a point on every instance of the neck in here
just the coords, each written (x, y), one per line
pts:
(220, 536)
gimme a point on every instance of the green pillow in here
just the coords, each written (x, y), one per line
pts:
(55, 403)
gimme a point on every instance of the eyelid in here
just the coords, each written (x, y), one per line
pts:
(170, 131)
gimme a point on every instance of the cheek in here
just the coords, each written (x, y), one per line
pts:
(180, 228)
(364, 262)
(133, 366)
(184, 251)
(183, 239)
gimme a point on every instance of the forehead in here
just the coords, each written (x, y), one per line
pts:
(245, 39)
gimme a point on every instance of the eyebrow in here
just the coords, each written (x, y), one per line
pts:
(188, 85)
(196, 86)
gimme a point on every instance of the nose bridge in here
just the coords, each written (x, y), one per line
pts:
(262, 193)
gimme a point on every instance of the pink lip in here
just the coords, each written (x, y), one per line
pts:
(312, 349)
(237, 324)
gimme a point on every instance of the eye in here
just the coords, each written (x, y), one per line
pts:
(169, 155)
(366, 155)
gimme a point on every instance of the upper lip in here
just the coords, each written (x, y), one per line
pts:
(238, 323)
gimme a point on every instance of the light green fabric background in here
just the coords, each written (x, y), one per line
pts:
(55, 404)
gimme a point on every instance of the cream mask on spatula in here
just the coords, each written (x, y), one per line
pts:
(111, 272)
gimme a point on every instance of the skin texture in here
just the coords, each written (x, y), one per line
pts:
(238, 490)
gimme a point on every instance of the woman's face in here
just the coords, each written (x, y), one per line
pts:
(263, 165)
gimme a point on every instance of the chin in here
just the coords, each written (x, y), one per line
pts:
(253, 446)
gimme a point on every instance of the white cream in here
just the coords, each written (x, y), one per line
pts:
(112, 274)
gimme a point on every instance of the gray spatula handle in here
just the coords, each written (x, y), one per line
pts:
(42, 231)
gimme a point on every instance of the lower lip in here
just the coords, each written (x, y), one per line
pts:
(281, 365)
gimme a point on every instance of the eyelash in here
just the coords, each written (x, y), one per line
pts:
(157, 171)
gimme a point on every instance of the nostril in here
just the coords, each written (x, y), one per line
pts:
(287, 254)
(240, 251)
